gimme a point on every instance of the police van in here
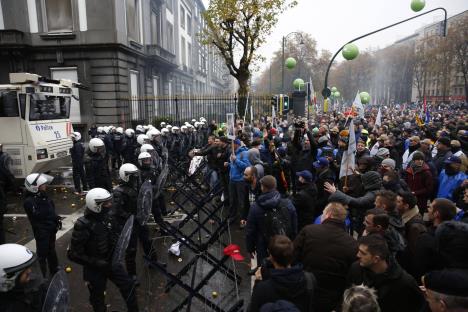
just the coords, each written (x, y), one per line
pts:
(35, 122)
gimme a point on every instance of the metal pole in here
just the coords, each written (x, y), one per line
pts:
(282, 66)
(326, 92)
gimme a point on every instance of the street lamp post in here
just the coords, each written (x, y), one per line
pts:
(326, 92)
(282, 55)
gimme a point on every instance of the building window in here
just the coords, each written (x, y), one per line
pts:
(155, 28)
(169, 5)
(189, 25)
(70, 73)
(155, 94)
(184, 53)
(182, 17)
(59, 15)
(170, 37)
(133, 20)
(189, 54)
(135, 109)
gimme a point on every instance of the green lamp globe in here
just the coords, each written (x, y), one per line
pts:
(290, 63)
(418, 5)
(337, 94)
(334, 89)
(365, 97)
(350, 51)
(298, 83)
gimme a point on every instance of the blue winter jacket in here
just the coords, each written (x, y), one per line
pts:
(236, 168)
(255, 239)
(447, 184)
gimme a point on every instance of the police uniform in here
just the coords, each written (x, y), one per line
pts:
(77, 155)
(45, 223)
(6, 180)
(97, 170)
(92, 243)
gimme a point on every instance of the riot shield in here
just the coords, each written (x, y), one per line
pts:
(144, 202)
(163, 175)
(122, 243)
(58, 295)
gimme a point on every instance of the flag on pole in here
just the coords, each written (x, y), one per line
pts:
(378, 119)
(348, 161)
(427, 115)
(357, 105)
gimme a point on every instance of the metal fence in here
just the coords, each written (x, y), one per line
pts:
(177, 109)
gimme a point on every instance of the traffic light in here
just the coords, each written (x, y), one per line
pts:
(274, 101)
(285, 104)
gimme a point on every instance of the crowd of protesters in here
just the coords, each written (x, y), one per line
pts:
(389, 235)
(380, 239)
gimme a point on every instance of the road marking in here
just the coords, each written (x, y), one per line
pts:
(67, 224)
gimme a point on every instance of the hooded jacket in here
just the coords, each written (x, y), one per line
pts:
(421, 183)
(237, 167)
(448, 183)
(284, 284)
(255, 240)
(396, 289)
(371, 182)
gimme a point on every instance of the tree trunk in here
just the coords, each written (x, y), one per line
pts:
(243, 91)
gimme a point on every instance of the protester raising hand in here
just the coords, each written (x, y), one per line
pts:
(329, 187)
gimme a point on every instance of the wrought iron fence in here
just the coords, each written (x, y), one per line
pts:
(178, 109)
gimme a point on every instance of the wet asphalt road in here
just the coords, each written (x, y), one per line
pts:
(151, 292)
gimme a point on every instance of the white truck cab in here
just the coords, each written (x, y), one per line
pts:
(35, 123)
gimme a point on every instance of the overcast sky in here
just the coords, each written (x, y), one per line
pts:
(334, 22)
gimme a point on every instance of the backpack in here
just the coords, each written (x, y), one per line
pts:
(277, 221)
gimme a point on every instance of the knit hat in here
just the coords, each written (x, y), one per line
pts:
(382, 152)
(444, 140)
(371, 180)
(389, 162)
(418, 156)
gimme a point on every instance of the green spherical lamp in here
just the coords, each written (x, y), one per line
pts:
(418, 5)
(334, 89)
(337, 94)
(298, 83)
(350, 51)
(290, 63)
(365, 97)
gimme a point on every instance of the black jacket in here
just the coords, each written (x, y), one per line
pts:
(327, 251)
(302, 159)
(92, 240)
(40, 210)
(77, 153)
(396, 289)
(97, 170)
(304, 202)
(27, 298)
(322, 196)
(286, 284)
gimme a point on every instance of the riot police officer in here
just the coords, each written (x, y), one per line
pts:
(129, 146)
(6, 180)
(77, 156)
(96, 165)
(92, 244)
(45, 223)
(20, 289)
(117, 140)
(124, 205)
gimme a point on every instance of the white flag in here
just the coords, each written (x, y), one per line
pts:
(348, 161)
(378, 119)
(358, 105)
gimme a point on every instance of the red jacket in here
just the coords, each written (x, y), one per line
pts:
(420, 182)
